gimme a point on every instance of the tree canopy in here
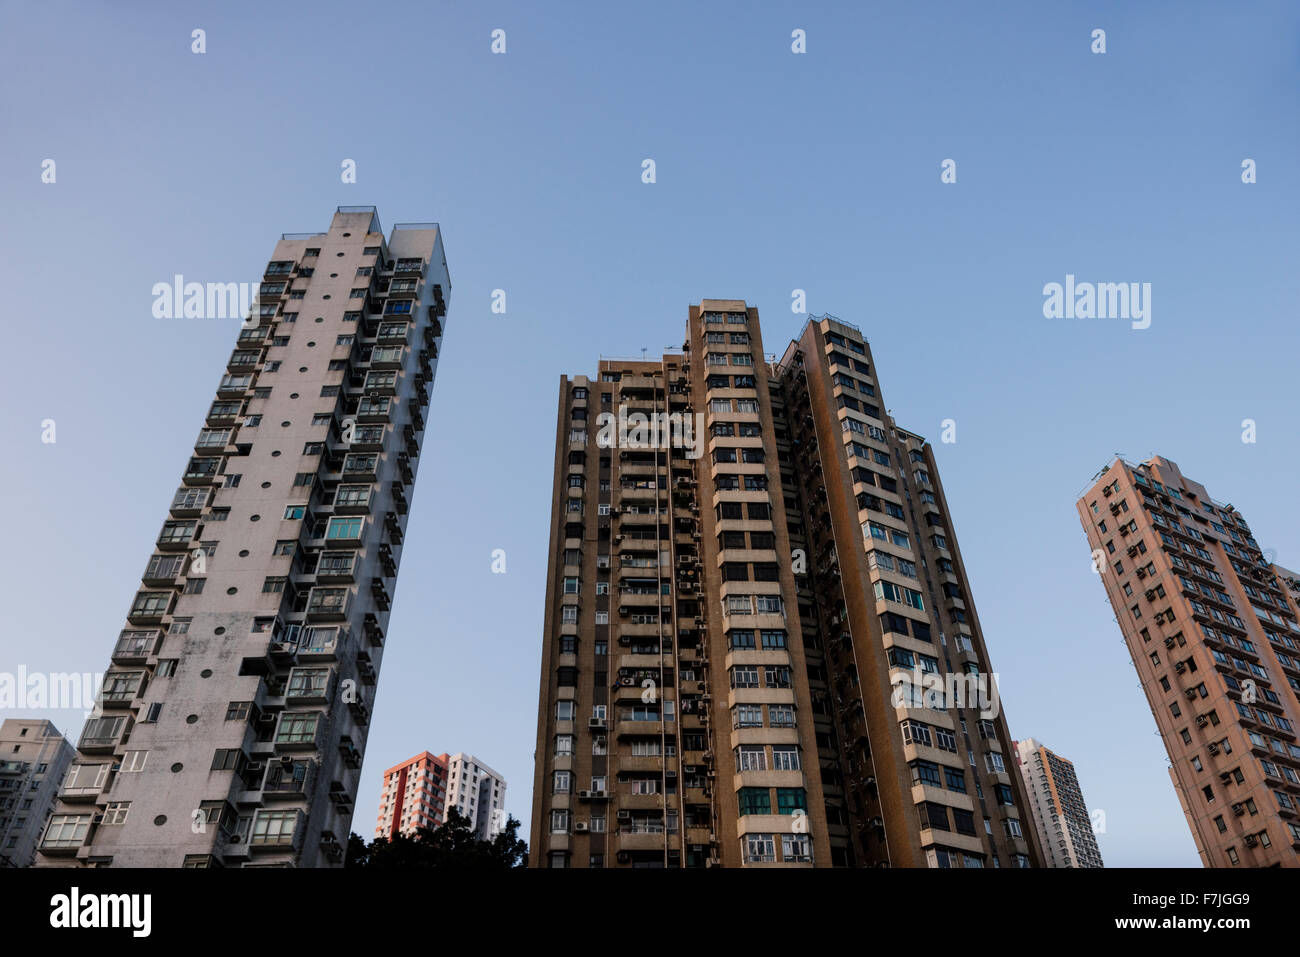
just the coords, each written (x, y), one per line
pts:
(452, 844)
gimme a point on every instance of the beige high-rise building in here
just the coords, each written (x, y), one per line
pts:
(34, 757)
(759, 646)
(234, 715)
(1065, 829)
(1212, 628)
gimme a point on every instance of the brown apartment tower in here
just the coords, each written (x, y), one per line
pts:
(743, 618)
(1211, 626)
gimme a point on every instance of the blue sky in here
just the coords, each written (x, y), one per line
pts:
(775, 172)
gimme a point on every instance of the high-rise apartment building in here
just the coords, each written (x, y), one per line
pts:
(759, 645)
(414, 796)
(478, 793)
(34, 757)
(1065, 830)
(233, 719)
(1212, 628)
(419, 792)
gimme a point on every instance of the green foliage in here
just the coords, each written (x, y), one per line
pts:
(452, 845)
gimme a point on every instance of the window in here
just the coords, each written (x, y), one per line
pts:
(297, 728)
(751, 757)
(781, 715)
(274, 828)
(754, 801)
(790, 800)
(796, 848)
(759, 849)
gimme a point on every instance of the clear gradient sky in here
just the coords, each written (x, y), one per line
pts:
(775, 172)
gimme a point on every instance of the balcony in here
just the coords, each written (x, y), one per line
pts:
(404, 289)
(298, 731)
(336, 567)
(149, 607)
(66, 833)
(387, 358)
(374, 409)
(321, 644)
(309, 686)
(234, 386)
(224, 413)
(202, 471)
(243, 360)
(410, 266)
(352, 500)
(329, 604)
(163, 569)
(379, 383)
(361, 467)
(393, 333)
(121, 689)
(374, 633)
(85, 782)
(101, 735)
(643, 838)
(276, 831)
(368, 438)
(190, 502)
(9, 768)
(289, 779)
(176, 536)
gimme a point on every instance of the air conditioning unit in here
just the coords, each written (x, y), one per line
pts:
(1180, 667)
(1169, 642)
(1151, 594)
(1132, 550)
(1202, 720)
(1142, 573)
(1106, 491)
(1239, 809)
(625, 815)
(581, 827)
(1251, 840)
(584, 795)
(286, 759)
(1190, 692)
(1212, 748)
(596, 723)
(1226, 777)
